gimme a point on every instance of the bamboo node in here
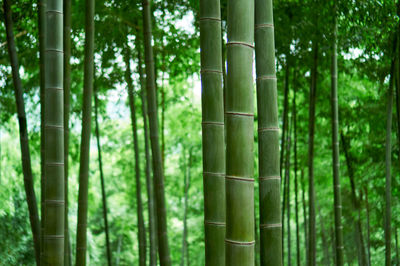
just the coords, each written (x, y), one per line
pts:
(247, 179)
(240, 243)
(261, 129)
(210, 18)
(214, 223)
(212, 123)
(54, 50)
(267, 226)
(54, 202)
(264, 25)
(241, 43)
(53, 236)
(240, 114)
(54, 126)
(266, 178)
(54, 11)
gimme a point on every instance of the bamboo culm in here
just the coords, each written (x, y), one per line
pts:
(296, 188)
(81, 235)
(149, 185)
(213, 132)
(163, 247)
(102, 182)
(53, 189)
(335, 150)
(268, 134)
(67, 95)
(139, 205)
(239, 179)
(23, 132)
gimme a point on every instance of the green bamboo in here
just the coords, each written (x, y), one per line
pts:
(296, 186)
(311, 258)
(23, 132)
(186, 185)
(305, 222)
(149, 184)
(67, 89)
(163, 247)
(388, 159)
(41, 37)
(368, 227)
(213, 131)
(287, 177)
(335, 149)
(102, 183)
(268, 136)
(54, 200)
(239, 181)
(284, 126)
(85, 136)
(139, 205)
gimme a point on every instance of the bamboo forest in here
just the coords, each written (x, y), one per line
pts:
(199, 132)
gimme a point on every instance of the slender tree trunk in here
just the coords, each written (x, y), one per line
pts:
(268, 137)
(118, 250)
(368, 227)
(67, 95)
(149, 184)
(285, 121)
(397, 246)
(287, 177)
(335, 150)
(23, 132)
(239, 182)
(103, 190)
(305, 223)
(42, 52)
(324, 239)
(296, 187)
(213, 136)
(85, 139)
(333, 242)
(356, 205)
(311, 128)
(388, 159)
(163, 247)
(54, 200)
(139, 205)
(186, 184)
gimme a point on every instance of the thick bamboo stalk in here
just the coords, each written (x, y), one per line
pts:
(311, 258)
(85, 136)
(163, 247)
(335, 150)
(41, 37)
(268, 136)
(149, 184)
(67, 95)
(213, 132)
(239, 179)
(139, 205)
(23, 132)
(103, 189)
(54, 200)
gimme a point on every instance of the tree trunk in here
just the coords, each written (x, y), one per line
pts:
(335, 150)
(213, 136)
(103, 190)
(139, 206)
(326, 258)
(305, 223)
(356, 205)
(54, 200)
(311, 128)
(23, 132)
(149, 184)
(67, 95)
(368, 227)
(186, 184)
(163, 247)
(285, 122)
(296, 187)
(268, 137)
(397, 246)
(85, 136)
(287, 177)
(239, 182)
